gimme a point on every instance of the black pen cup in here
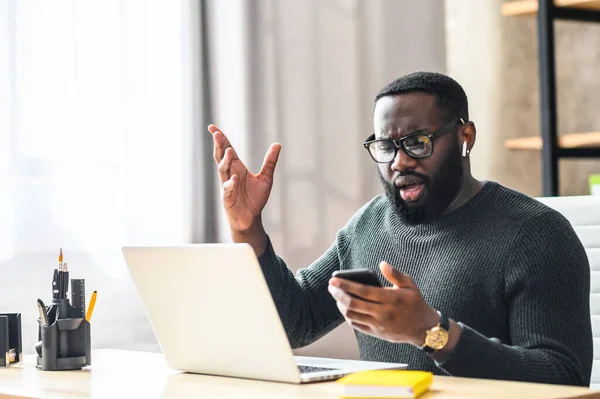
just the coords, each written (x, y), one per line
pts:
(65, 344)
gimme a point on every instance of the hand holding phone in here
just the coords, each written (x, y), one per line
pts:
(363, 276)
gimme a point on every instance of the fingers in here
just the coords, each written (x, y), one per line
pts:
(213, 128)
(230, 191)
(368, 292)
(225, 166)
(221, 143)
(222, 146)
(268, 167)
(352, 303)
(360, 322)
(352, 316)
(395, 277)
(361, 327)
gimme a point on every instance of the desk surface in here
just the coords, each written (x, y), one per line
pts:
(117, 373)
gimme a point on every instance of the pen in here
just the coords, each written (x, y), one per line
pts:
(90, 310)
(61, 290)
(66, 280)
(55, 285)
(43, 312)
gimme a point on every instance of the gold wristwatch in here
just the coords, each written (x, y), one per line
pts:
(436, 337)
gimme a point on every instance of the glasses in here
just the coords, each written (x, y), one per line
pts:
(416, 145)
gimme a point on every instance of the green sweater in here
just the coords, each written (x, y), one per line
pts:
(508, 269)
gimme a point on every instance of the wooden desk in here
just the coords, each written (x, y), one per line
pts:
(117, 374)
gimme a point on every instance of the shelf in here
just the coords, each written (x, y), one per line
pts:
(554, 146)
(570, 140)
(530, 7)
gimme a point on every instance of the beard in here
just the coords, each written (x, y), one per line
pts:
(441, 189)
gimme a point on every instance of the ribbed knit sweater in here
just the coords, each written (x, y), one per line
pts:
(507, 268)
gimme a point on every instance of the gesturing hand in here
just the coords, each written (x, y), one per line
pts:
(244, 194)
(397, 314)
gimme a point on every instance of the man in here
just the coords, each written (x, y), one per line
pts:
(479, 280)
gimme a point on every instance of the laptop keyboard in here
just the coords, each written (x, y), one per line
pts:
(311, 369)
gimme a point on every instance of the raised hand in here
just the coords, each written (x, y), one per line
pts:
(244, 194)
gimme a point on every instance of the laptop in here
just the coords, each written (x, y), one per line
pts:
(212, 313)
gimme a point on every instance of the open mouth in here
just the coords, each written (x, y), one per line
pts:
(410, 190)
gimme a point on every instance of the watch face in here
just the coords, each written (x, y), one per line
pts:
(436, 338)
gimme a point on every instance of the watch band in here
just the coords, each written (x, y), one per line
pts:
(445, 324)
(444, 321)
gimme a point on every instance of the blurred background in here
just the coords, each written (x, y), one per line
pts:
(104, 108)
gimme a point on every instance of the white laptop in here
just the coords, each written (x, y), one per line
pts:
(212, 313)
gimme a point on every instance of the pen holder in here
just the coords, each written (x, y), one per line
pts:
(10, 338)
(66, 343)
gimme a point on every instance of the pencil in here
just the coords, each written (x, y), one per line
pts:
(90, 310)
(61, 283)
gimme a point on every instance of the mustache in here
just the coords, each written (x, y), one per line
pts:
(424, 178)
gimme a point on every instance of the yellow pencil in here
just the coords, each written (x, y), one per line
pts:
(90, 310)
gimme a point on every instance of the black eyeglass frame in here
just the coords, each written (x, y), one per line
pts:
(399, 143)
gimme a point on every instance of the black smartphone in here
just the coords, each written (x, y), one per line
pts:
(362, 276)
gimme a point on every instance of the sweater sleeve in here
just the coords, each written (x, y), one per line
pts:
(547, 286)
(304, 304)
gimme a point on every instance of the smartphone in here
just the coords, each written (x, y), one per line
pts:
(362, 276)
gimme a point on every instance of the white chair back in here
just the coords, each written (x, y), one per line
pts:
(584, 214)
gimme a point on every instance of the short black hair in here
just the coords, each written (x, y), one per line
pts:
(451, 99)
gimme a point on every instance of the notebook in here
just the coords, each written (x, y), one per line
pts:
(386, 384)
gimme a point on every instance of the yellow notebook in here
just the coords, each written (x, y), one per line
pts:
(386, 384)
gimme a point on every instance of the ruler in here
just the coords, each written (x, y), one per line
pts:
(78, 297)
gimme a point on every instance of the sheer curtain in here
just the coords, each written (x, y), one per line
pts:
(97, 144)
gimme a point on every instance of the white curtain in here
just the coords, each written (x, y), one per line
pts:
(97, 138)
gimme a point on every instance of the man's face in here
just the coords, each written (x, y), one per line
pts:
(419, 189)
